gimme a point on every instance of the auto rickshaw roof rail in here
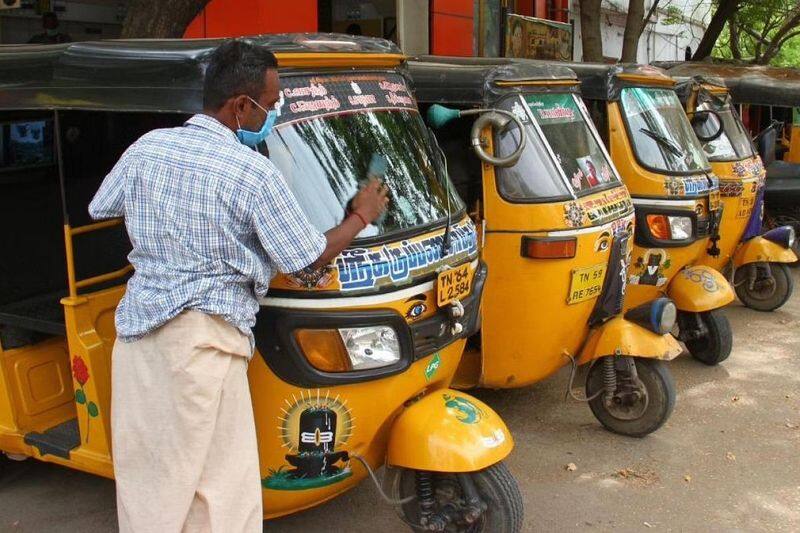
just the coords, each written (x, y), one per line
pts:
(159, 75)
(748, 84)
(600, 81)
(477, 81)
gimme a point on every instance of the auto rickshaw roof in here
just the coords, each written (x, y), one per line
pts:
(748, 84)
(476, 80)
(601, 81)
(159, 75)
(711, 88)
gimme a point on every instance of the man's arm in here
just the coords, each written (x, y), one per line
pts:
(292, 242)
(109, 202)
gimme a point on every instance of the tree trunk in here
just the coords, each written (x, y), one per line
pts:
(733, 27)
(590, 31)
(634, 24)
(159, 19)
(725, 10)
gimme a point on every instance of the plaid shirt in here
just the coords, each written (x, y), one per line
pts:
(210, 221)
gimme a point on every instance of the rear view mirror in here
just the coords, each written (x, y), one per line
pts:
(707, 125)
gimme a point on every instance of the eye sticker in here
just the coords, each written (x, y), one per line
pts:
(603, 242)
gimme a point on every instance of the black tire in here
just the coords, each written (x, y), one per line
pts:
(497, 487)
(765, 297)
(660, 387)
(714, 347)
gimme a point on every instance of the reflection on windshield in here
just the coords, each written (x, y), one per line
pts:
(325, 160)
(662, 136)
(573, 140)
(578, 163)
(734, 143)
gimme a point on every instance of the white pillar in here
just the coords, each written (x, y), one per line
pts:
(412, 26)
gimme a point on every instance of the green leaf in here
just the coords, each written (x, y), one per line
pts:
(80, 397)
(92, 408)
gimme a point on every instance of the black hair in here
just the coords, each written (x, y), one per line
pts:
(236, 67)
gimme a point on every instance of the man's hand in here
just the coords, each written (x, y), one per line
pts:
(371, 201)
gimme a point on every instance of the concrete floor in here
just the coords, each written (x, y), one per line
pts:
(727, 460)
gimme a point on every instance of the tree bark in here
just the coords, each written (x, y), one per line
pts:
(733, 27)
(634, 24)
(725, 10)
(591, 39)
(159, 19)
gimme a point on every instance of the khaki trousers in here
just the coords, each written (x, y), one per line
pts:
(183, 433)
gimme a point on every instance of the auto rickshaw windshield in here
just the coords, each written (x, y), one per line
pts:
(565, 157)
(327, 136)
(734, 143)
(662, 137)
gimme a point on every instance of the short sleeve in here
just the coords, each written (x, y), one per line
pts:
(284, 231)
(109, 201)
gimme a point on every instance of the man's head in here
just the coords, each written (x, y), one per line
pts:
(238, 74)
(49, 21)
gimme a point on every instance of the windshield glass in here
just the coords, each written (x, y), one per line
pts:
(574, 141)
(660, 131)
(563, 157)
(734, 142)
(327, 133)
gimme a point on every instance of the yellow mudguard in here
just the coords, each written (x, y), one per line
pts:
(759, 249)
(619, 336)
(448, 431)
(700, 288)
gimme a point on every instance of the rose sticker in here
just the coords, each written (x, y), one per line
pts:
(81, 374)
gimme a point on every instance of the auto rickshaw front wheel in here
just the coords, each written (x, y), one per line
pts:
(488, 500)
(632, 396)
(763, 286)
(707, 335)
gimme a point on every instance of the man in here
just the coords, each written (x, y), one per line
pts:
(51, 34)
(210, 221)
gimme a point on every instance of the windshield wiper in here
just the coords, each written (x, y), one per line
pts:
(667, 143)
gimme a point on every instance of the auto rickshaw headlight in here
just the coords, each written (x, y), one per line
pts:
(349, 349)
(658, 315)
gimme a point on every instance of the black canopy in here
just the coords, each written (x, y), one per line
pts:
(477, 81)
(748, 84)
(600, 81)
(160, 75)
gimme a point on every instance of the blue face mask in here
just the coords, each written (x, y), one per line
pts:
(254, 138)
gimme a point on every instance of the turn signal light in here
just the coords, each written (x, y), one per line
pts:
(659, 226)
(324, 349)
(549, 247)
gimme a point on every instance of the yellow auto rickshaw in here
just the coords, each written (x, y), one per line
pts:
(556, 227)
(353, 362)
(676, 196)
(755, 263)
(768, 103)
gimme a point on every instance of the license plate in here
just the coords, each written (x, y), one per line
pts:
(453, 284)
(713, 200)
(586, 283)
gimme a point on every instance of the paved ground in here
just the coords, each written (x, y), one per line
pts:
(728, 459)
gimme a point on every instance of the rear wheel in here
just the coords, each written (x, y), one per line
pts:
(707, 335)
(763, 286)
(631, 396)
(488, 500)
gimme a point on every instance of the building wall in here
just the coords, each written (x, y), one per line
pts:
(233, 18)
(451, 27)
(659, 41)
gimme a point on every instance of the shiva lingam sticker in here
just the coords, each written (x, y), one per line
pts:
(313, 429)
